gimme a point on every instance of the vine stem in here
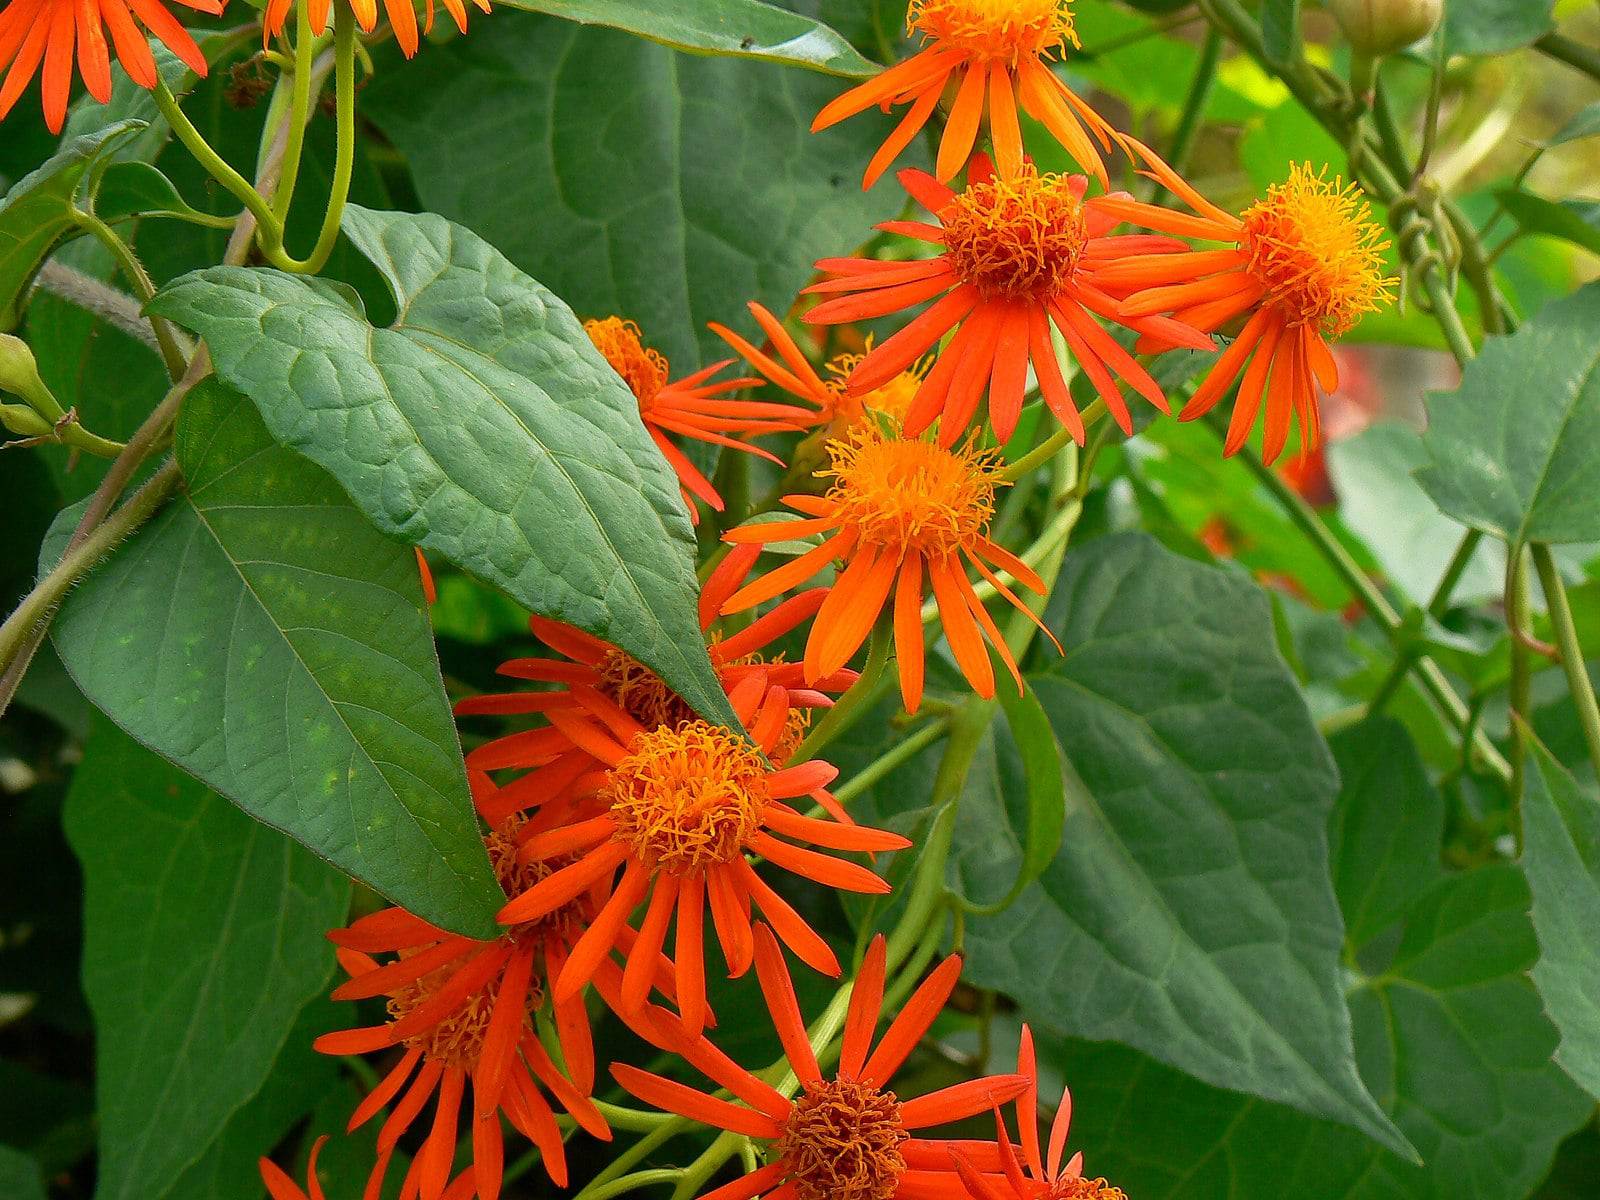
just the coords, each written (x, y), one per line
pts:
(1572, 661)
(1432, 678)
(37, 606)
(299, 108)
(173, 354)
(1520, 690)
(1438, 605)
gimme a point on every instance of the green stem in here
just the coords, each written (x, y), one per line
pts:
(852, 706)
(1321, 537)
(629, 1183)
(344, 52)
(1521, 685)
(901, 752)
(1438, 605)
(1572, 660)
(1194, 107)
(270, 230)
(1052, 445)
(631, 1119)
(299, 111)
(173, 355)
(37, 606)
(640, 1150)
(1574, 54)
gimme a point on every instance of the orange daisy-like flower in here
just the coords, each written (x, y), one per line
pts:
(837, 407)
(996, 47)
(281, 1187)
(402, 18)
(462, 1009)
(845, 1138)
(904, 514)
(689, 407)
(992, 1171)
(676, 809)
(772, 694)
(1018, 255)
(37, 34)
(1306, 263)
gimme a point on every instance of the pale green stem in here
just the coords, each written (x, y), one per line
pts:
(1572, 660)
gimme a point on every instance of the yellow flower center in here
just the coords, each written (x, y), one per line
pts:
(688, 798)
(995, 29)
(1082, 1189)
(842, 1142)
(892, 400)
(642, 369)
(1017, 239)
(1315, 247)
(906, 494)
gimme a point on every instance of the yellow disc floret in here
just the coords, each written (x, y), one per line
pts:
(906, 494)
(1016, 239)
(995, 29)
(1082, 1189)
(457, 1039)
(1315, 247)
(892, 400)
(688, 798)
(642, 369)
(842, 1141)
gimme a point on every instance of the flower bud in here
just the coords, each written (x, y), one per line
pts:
(19, 374)
(1379, 27)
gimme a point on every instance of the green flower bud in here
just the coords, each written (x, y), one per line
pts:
(19, 374)
(1378, 27)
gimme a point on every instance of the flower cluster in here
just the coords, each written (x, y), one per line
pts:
(620, 822)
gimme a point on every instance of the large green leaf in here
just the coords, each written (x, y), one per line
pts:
(483, 424)
(1494, 26)
(744, 28)
(1448, 1032)
(204, 939)
(1561, 830)
(1516, 451)
(668, 189)
(19, 1176)
(1189, 911)
(263, 636)
(1575, 221)
(36, 214)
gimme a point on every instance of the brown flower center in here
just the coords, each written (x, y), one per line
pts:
(842, 1142)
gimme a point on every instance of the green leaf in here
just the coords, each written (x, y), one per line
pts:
(1189, 911)
(483, 425)
(1561, 826)
(204, 939)
(670, 189)
(1045, 788)
(228, 1171)
(1570, 220)
(1382, 504)
(1494, 26)
(744, 28)
(36, 214)
(1448, 1032)
(263, 636)
(19, 1176)
(1585, 123)
(137, 189)
(1514, 450)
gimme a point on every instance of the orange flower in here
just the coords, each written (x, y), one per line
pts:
(1001, 47)
(845, 1137)
(688, 407)
(1018, 254)
(837, 407)
(774, 693)
(402, 18)
(676, 809)
(991, 1170)
(903, 513)
(462, 1009)
(35, 32)
(1306, 263)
